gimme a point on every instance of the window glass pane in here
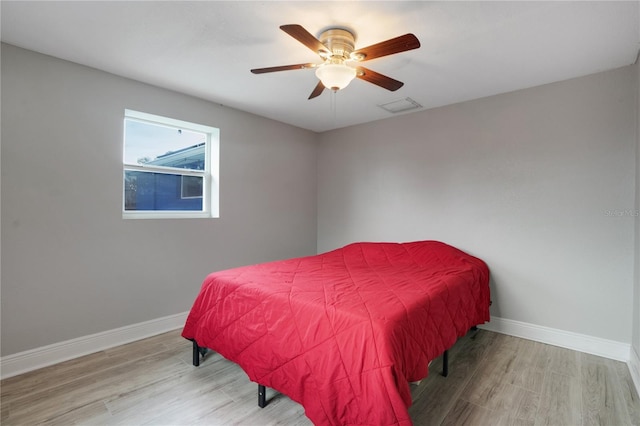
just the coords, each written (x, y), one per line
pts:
(151, 191)
(157, 145)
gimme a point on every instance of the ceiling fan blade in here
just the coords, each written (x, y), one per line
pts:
(283, 68)
(378, 79)
(305, 37)
(317, 91)
(389, 47)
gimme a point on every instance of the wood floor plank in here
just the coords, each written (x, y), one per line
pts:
(435, 396)
(94, 413)
(631, 397)
(602, 395)
(54, 375)
(465, 413)
(163, 392)
(496, 383)
(528, 367)
(490, 393)
(563, 361)
(204, 406)
(561, 401)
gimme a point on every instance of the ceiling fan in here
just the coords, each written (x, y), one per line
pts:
(336, 46)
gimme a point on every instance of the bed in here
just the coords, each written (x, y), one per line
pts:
(343, 332)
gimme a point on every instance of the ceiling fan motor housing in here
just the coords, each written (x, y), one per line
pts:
(340, 43)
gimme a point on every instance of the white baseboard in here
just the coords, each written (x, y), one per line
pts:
(634, 368)
(22, 362)
(565, 339)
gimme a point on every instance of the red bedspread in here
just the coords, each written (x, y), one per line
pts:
(343, 332)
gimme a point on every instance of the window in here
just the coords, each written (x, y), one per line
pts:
(170, 168)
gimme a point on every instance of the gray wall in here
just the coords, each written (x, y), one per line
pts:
(71, 266)
(531, 181)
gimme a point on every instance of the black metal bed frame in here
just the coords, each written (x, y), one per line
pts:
(262, 391)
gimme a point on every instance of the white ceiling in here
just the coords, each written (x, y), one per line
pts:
(206, 49)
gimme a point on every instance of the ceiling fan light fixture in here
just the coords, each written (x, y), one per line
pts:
(336, 46)
(335, 76)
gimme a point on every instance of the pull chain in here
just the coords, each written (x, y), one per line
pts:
(333, 107)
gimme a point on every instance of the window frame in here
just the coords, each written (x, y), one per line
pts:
(210, 174)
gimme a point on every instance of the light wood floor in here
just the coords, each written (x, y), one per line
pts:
(494, 379)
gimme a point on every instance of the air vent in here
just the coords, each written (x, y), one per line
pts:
(401, 105)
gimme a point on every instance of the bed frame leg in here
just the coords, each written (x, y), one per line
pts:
(262, 396)
(198, 351)
(196, 354)
(445, 363)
